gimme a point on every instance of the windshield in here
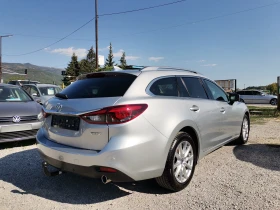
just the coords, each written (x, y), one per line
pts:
(49, 91)
(8, 94)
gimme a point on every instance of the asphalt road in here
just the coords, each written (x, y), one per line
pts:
(233, 177)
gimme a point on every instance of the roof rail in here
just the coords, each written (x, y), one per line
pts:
(167, 68)
(134, 67)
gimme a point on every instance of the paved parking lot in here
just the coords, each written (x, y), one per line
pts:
(233, 177)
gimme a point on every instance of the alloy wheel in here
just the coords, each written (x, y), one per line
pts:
(183, 161)
(245, 129)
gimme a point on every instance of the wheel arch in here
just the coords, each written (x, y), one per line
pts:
(273, 100)
(248, 115)
(192, 132)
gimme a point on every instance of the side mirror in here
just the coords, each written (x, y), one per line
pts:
(233, 97)
(34, 94)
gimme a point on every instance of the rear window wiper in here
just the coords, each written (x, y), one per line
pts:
(61, 95)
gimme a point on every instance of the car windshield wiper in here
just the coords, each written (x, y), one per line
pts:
(61, 95)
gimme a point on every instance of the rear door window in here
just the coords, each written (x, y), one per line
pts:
(257, 93)
(194, 87)
(248, 93)
(165, 87)
(182, 88)
(100, 85)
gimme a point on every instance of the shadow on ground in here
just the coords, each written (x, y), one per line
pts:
(17, 144)
(23, 170)
(263, 155)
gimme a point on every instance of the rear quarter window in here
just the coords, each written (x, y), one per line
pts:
(100, 85)
(165, 87)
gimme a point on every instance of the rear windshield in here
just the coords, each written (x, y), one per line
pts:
(100, 85)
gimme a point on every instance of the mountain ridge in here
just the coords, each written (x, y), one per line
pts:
(43, 74)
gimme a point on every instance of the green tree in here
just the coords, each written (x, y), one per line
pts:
(84, 66)
(91, 59)
(123, 61)
(272, 88)
(72, 70)
(88, 64)
(109, 60)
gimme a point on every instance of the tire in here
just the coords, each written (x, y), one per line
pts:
(245, 130)
(177, 178)
(273, 102)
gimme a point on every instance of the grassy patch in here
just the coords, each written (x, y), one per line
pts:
(262, 119)
(263, 111)
(264, 108)
(257, 120)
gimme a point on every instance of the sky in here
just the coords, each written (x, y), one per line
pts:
(222, 39)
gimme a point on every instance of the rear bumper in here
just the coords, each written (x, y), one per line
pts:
(133, 162)
(91, 171)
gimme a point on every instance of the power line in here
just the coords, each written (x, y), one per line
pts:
(203, 20)
(106, 14)
(199, 21)
(47, 37)
(148, 31)
(54, 42)
(141, 9)
(115, 13)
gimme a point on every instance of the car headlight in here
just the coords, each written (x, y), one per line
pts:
(40, 116)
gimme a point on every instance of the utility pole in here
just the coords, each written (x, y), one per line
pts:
(96, 35)
(278, 93)
(1, 55)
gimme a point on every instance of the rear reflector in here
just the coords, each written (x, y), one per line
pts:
(108, 170)
(115, 114)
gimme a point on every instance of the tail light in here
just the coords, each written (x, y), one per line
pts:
(115, 114)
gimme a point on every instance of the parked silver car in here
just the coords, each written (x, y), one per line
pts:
(41, 92)
(132, 125)
(20, 115)
(257, 97)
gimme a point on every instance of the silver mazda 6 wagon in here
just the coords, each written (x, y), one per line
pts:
(137, 124)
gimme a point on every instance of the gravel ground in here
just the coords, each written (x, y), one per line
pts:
(233, 177)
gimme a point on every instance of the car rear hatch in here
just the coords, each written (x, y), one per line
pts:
(65, 121)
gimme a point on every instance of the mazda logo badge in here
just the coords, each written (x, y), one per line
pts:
(58, 107)
(16, 119)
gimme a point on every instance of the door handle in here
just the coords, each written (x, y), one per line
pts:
(222, 109)
(194, 108)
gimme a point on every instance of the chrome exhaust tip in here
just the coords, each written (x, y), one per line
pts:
(105, 180)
